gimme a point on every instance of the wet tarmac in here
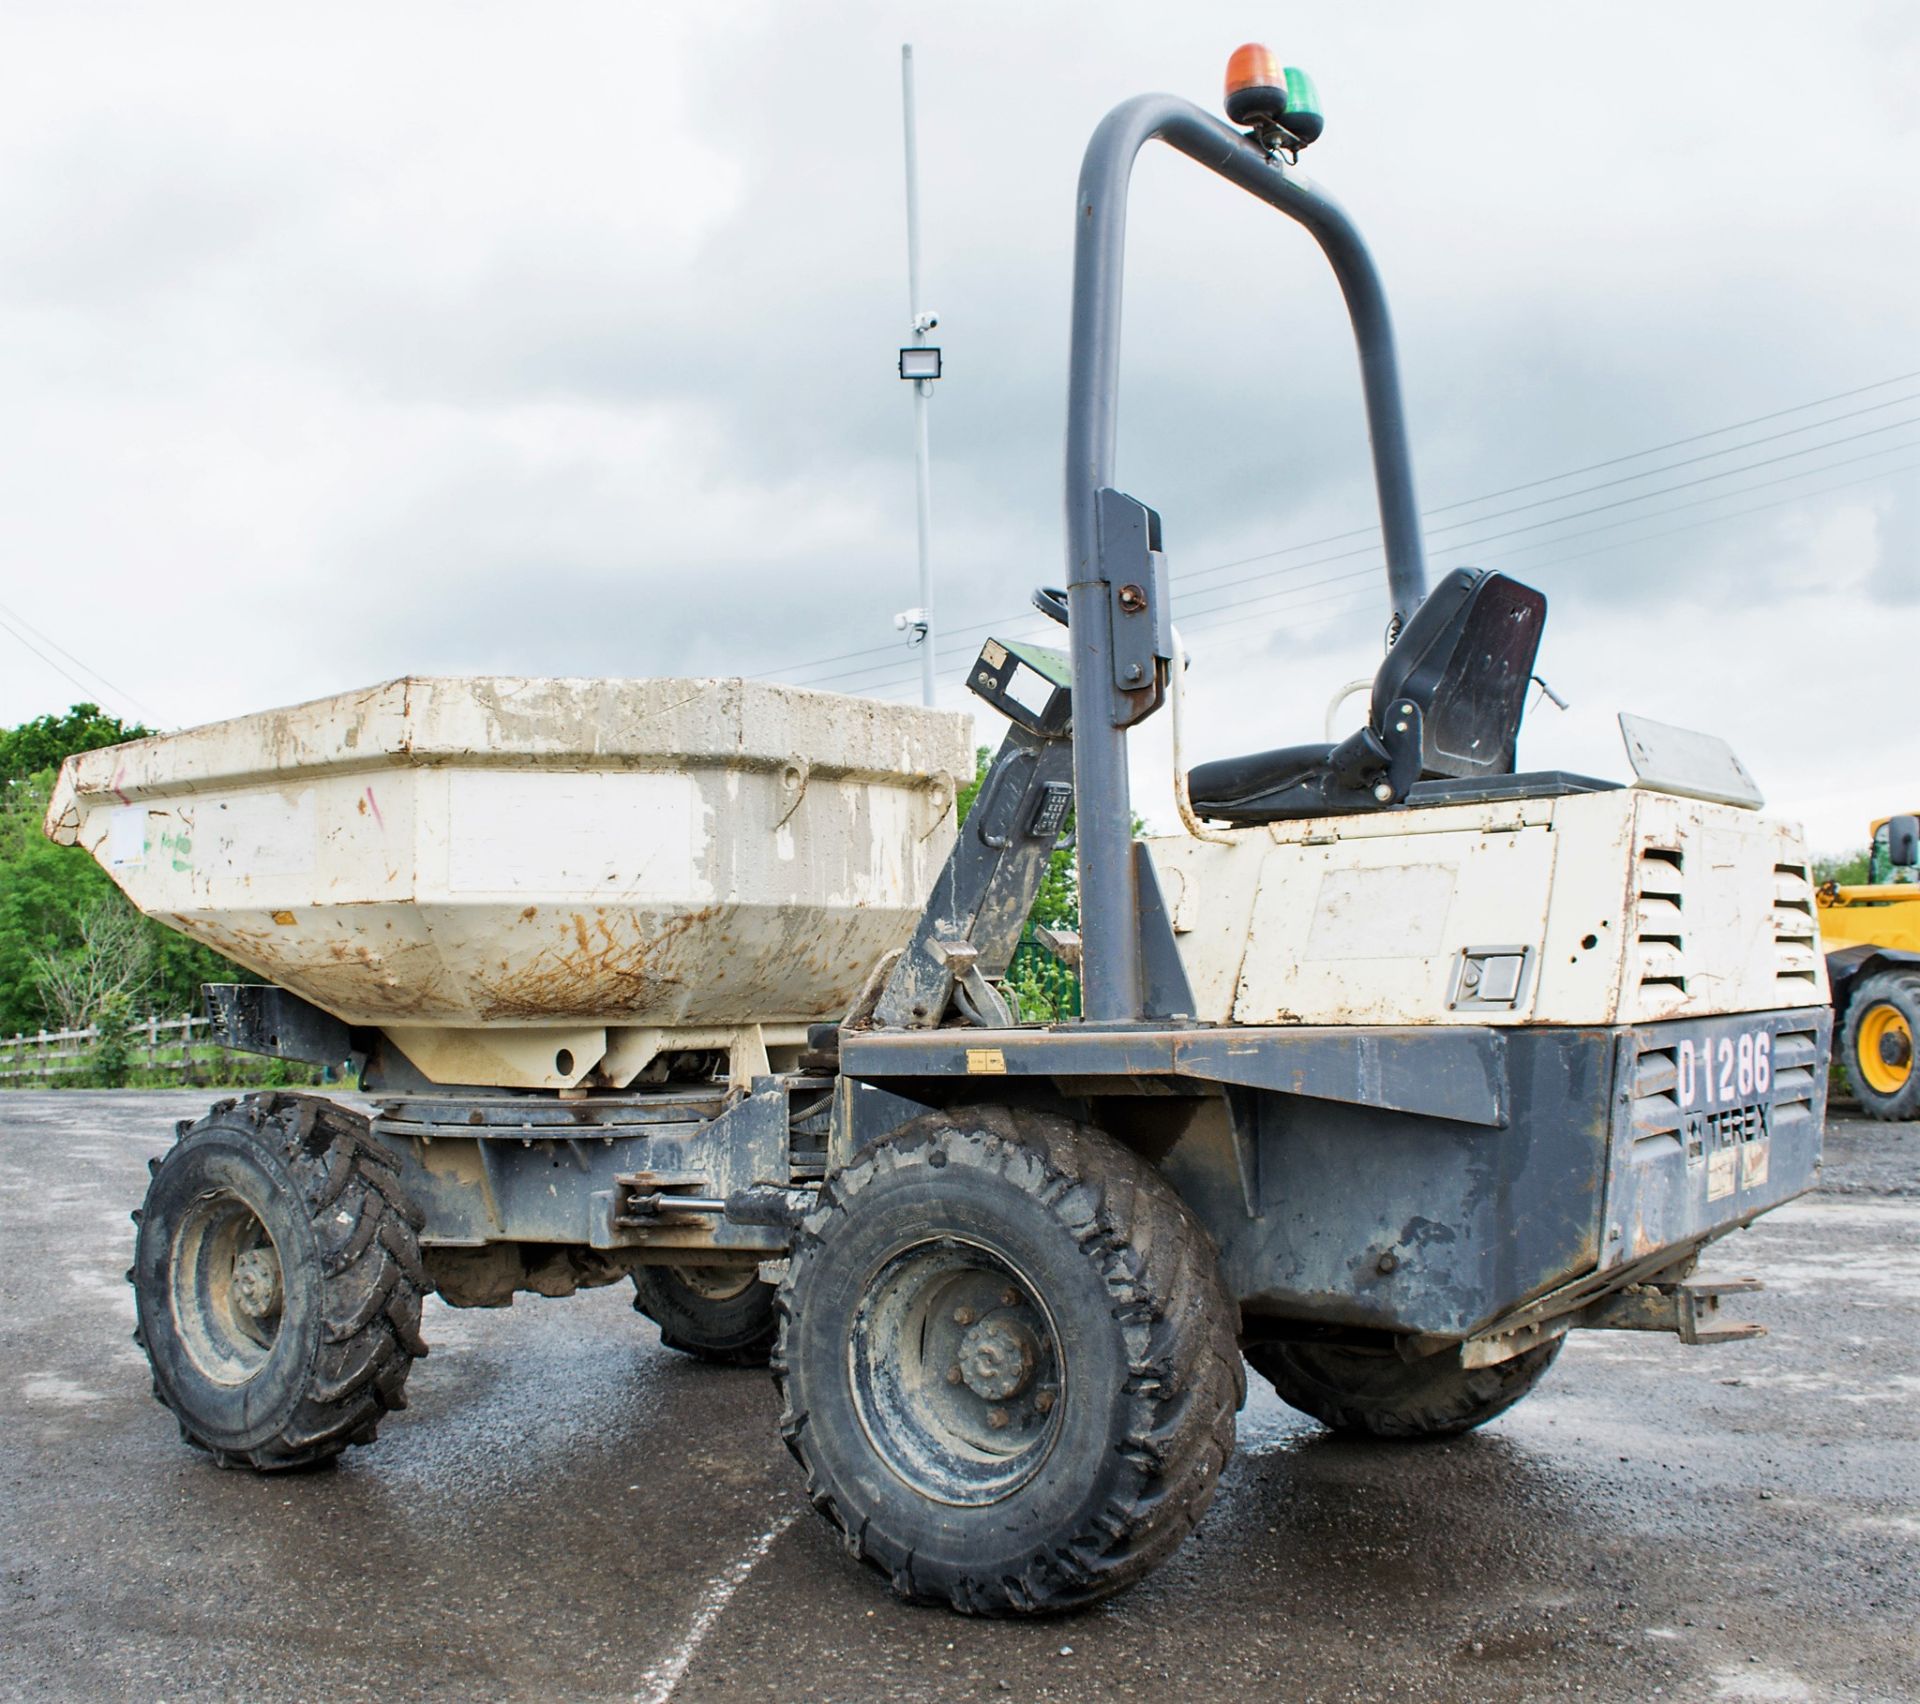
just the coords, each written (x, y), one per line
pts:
(570, 1511)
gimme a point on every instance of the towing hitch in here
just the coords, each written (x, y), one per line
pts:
(1689, 1308)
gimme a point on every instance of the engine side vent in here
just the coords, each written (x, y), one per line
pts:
(1659, 935)
(1796, 1057)
(1796, 938)
(1656, 1103)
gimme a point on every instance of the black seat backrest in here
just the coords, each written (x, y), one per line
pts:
(1465, 658)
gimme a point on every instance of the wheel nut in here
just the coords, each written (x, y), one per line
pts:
(954, 1374)
(1044, 1402)
(997, 1418)
(963, 1316)
(256, 1283)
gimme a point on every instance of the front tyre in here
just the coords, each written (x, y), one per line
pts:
(277, 1282)
(1374, 1393)
(1877, 1044)
(1008, 1364)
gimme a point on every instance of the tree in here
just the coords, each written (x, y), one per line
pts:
(1848, 871)
(111, 964)
(48, 892)
(1044, 988)
(47, 741)
(1058, 901)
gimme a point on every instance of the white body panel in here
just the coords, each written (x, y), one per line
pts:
(450, 859)
(1628, 907)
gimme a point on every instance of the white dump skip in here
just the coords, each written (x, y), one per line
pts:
(597, 860)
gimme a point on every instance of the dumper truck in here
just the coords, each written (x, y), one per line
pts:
(1395, 1063)
(1870, 934)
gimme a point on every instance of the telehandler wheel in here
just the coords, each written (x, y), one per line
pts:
(1877, 1043)
(1008, 1364)
(277, 1282)
(713, 1313)
(1373, 1393)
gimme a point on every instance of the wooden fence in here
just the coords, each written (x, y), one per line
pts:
(155, 1044)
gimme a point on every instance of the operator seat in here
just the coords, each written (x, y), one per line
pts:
(1446, 702)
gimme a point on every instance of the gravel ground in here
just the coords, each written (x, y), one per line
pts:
(568, 1510)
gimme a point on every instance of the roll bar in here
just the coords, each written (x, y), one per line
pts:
(1111, 990)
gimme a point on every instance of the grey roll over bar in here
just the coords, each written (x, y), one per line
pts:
(1111, 989)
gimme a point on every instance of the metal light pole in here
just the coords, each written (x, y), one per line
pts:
(919, 621)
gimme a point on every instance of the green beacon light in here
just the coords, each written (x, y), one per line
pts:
(1304, 118)
(1280, 105)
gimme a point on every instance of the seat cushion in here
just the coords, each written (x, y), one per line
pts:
(1229, 781)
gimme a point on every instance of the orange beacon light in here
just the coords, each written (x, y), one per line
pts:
(1256, 86)
(1262, 94)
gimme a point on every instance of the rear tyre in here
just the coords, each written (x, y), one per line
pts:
(713, 1313)
(1008, 1364)
(1373, 1393)
(277, 1282)
(1877, 1044)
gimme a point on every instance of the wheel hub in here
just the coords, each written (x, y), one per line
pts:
(256, 1283)
(1884, 1048)
(997, 1357)
(957, 1372)
(227, 1287)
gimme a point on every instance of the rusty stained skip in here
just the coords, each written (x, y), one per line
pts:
(538, 854)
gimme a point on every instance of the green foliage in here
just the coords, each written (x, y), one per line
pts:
(113, 1045)
(47, 740)
(47, 891)
(1058, 902)
(1044, 989)
(1848, 871)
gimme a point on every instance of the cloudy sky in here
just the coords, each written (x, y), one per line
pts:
(349, 341)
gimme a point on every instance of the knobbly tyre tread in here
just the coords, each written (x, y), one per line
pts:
(1900, 988)
(370, 1266)
(1186, 1376)
(736, 1332)
(1438, 1397)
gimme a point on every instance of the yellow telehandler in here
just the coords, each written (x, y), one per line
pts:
(1871, 934)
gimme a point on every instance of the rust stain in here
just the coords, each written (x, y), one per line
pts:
(345, 978)
(615, 968)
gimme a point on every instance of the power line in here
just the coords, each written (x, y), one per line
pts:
(15, 616)
(1428, 533)
(1209, 620)
(1681, 443)
(1722, 496)
(1185, 580)
(1711, 455)
(1626, 502)
(1715, 520)
(71, 678)
(1625, 479)
(1645, 538)
(1196, 575)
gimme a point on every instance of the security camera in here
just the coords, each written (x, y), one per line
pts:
(925, 322)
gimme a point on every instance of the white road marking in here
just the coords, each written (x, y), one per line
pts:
(657, 1684)
(52, 1389)
(1760, 1686)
